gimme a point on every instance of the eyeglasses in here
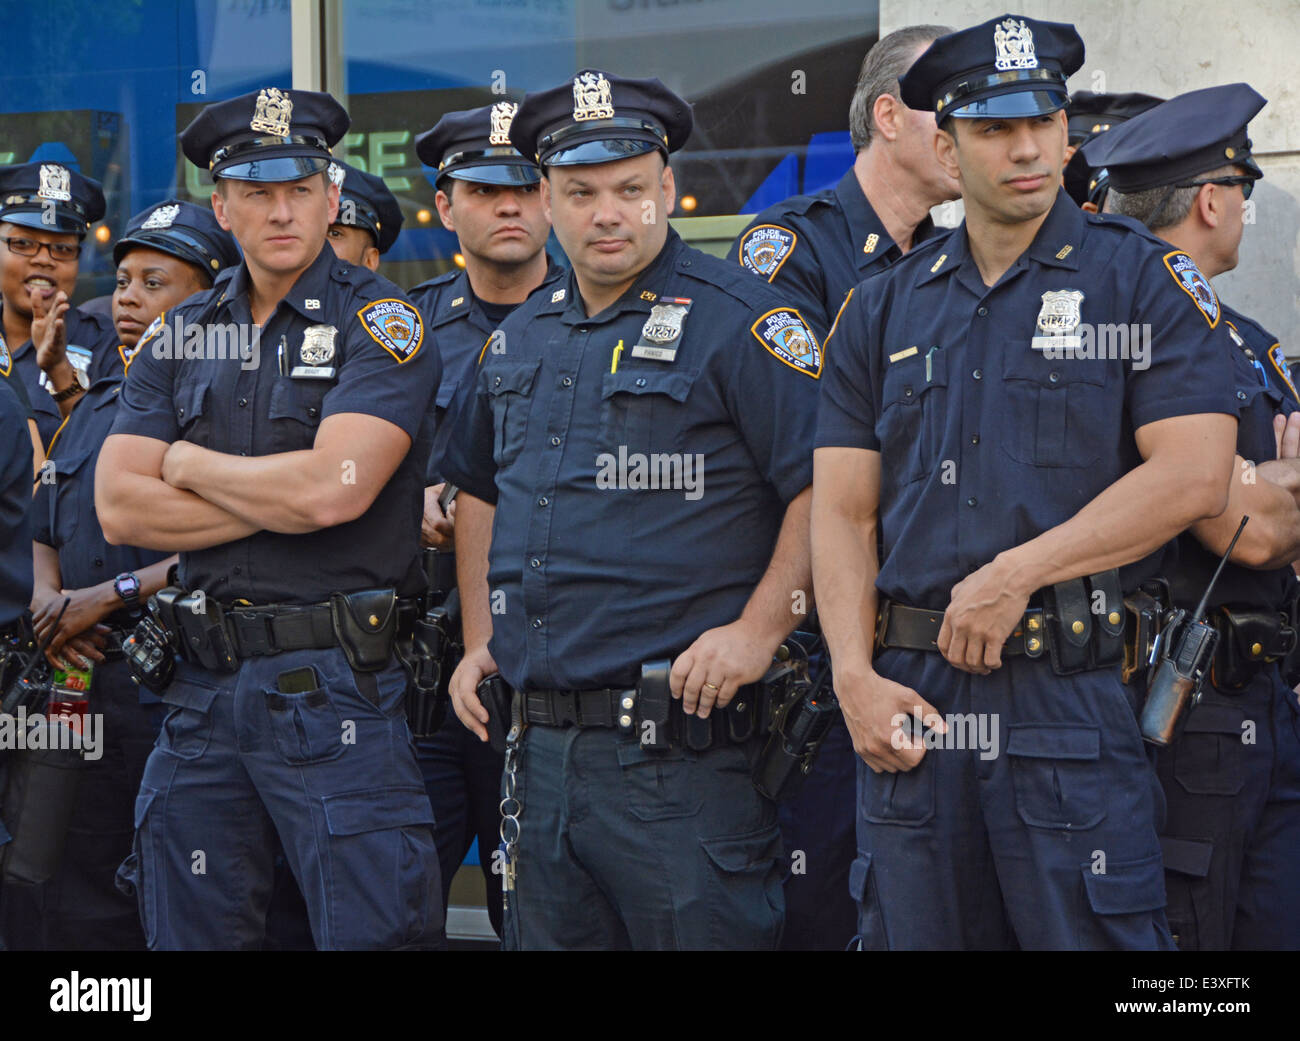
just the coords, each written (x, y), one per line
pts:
(30, 248)
(1247, 183)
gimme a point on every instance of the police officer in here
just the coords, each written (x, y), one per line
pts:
(1009, 471)
(487, 194)
(815, 248)
(369, 218)
(45, 209)
(169, 252)
(1232, 777)
(1091, 114)
(640, 826)
(288, 475)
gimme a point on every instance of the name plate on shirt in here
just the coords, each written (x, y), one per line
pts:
(1055, 345)
(641, 350)
(312, 372)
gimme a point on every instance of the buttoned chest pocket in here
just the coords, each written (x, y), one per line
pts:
(644, 410)
(295, 413)
(193, 410)
(1056, 412)
(73, 493)
(510, 389)
(913, 411)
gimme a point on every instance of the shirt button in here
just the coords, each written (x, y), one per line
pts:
(99, 562)
(566, 382)
(641, 382)
(534, 562)
(243, 402)
(974, 439)
(582, 329)
(555, 442)
(972, 501)
(907, 392)
(312, 412)
(1241, 395)
(243, 453)
(543, 501)
(496, 382)
(237, 570)
(180, 412)
(978, 374)
(983, 312)
(537, 623)
(1053, 377)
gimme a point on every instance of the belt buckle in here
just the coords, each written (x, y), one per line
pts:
(251, 615)
(882, 622)
(564, 708)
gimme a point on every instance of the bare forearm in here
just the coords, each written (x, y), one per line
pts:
(782, 597)
(844, 570)
(474, 519)
(281, 492)
(136, 510)
(1272, 538)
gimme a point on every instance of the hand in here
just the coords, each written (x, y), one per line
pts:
(464, 694)
(710, 671)
(984, 610)
(1286, 433)
(81, 650)
(175, 463)
(876, 711)
(437, 529)
(49, 332)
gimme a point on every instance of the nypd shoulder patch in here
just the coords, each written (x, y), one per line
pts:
(786, 335)
(1194, 284)
(394, 325)
(6, 359)
(765, 248)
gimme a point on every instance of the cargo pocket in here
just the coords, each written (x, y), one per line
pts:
(509, 387)
(912, 416)
(1054, 769)
(187, 728)
(1190, 904)
(137, 874)
(1123, 900)
(306, 727)
(1209, 754)
(862, 888)
(384, 881)
(1056, 411)
(746, 902)
(905, 798)
(641, 410)
(659, 785)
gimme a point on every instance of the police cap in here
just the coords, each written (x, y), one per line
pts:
(1007, 68)
(49, 196)
(366, 202)
(1090, 113)
(599, 118)
(266, 135)
(474, 145)
(182, 230)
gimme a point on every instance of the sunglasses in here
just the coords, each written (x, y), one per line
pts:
(1247, 183)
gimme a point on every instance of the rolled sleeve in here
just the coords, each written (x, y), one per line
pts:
(146, 406)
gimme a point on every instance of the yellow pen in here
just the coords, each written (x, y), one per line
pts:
(613, 361)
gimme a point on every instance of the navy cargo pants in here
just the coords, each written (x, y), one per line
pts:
(623, 848)
(331, 770)
(1043, 837)
(1232, 838)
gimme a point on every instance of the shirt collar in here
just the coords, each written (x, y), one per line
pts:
(871, 242)
(312, 284)
(640, 296)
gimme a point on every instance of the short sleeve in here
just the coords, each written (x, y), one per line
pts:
(146, 406)
(1186, 367)
(468, 461)
(846, 413)
(389, 368)
(781, 252)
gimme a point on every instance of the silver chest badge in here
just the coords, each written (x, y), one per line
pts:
(663, 329)
(318, 345)
(1058, 320)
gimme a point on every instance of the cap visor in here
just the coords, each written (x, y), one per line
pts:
(281, 168)
(601, 151)
(64, 221)
(1019, 104)
(507, 174)
(163, 245)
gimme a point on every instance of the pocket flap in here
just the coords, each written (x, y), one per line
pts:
(1054, 741)
(191, 400)
(511, 377)
(1214, 719)
(302, 400)
(1187, 856)
(377, 809)
(859, 871)
(71, 462)
(675, 383)
(745, 852)
(446, 392)
(1127, 888)
(189, 694)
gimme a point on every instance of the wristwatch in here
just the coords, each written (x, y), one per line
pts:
(127, 587)
(82, 382)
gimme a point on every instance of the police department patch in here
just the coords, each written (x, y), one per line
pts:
(395, 326)
(1278, 358)
(6, 359)
(784, 333)
(1194, 284)
(764, 248)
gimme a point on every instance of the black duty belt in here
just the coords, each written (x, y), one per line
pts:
(917, 629)
(256, 631)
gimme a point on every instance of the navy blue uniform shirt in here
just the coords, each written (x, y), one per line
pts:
(1263, 389)
(63, 513)
(375, 362)
(815, 248)
(15, 507)
(596, 567)
(986, 442)
(458, 326)
(87, 330)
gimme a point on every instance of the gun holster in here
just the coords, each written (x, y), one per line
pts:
(199, 625)
(364, 624)
(496, 696)
(428, 658)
